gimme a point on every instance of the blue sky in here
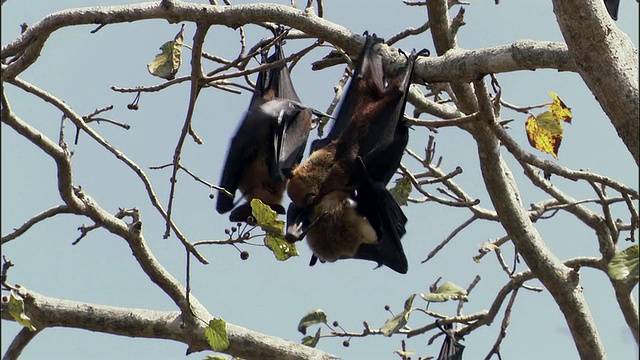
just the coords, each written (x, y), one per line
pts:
(261, 293)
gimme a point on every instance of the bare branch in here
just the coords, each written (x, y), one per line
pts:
(60, 209)
(22, 339)
(444, 242)
(64, 163)
(607, 61)
(196, 86)
(559, 280)
(503, 328)
(141, 323)
(408, 32)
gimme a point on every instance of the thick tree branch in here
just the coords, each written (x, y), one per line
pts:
(48, 312)
(561, 281)
(444, 40)
(456, 64)
(628, 306)
(607, 60)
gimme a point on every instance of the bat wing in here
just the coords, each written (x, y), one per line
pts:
(612, 8)
(387, 130)
(451, 349)
(276, 117)
(293, 118)
(349, 101)
(387, 219)
(244, 149)
(382, 163)
(290, 138)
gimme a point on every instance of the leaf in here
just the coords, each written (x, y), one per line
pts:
(447, 291)
(559, 109)
(167, 63)
(282, 249)
(395, 323)
(216, 334)
(268, 221)
(399, 321)
(266, 218)
(401, 190)
(311, 341)
(16, 309)
(216, 357)
(624, 265)
(313, 317)
(409, 302)
(544, 132)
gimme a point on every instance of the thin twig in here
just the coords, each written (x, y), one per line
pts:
(455, 232)
(503, 328)
(60, 209)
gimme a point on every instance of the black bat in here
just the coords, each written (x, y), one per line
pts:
(339, 199)
(451, 349)
(612, 8)
(269, 142)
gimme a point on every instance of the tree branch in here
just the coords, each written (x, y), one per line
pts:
(48, 312)
(458, 64)
(60, 209)
(19, 342)
(64, 164)
(607, 61)
(561, 281)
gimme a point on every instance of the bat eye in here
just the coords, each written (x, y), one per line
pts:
(310, 198)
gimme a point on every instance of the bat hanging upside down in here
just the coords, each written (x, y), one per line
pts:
(269, 142)
(339, 198)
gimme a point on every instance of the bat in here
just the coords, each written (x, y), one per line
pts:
(268, 143)
(612, 8)
(339, 199)
(451, 349)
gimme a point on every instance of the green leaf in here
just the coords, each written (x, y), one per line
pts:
(313, 317)
(399, 321)
(401, 191)
(447, 291)
(409, 302)
(167, 63)
(311, 341)
(624, 265)
(268, 221)
(395, 323)
(281, 248)
(216, 334)
(266, 218)
(16, 309)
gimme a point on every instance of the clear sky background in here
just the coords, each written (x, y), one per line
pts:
(261, 293)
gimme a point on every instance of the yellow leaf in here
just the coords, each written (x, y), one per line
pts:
(167, 63)
(544, 132)
(16, 309)
(559, 109)
(402, 190)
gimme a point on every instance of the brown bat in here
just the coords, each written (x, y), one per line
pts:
(339, 199)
